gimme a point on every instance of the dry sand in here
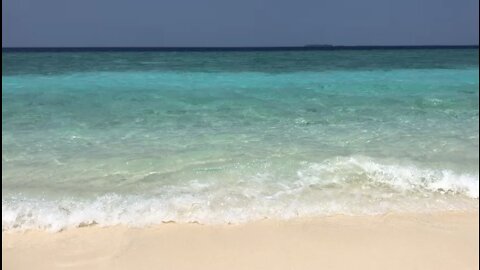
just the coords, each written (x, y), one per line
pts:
(440, 241)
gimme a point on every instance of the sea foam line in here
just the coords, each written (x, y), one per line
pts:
(344, 185)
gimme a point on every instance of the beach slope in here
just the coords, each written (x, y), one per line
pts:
(429, 241)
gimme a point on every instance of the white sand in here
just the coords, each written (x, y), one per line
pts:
(440, 241)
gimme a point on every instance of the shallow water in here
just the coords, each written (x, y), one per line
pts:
(141, 138)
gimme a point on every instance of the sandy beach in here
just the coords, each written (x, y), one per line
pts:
(428, 241)
(240, 135)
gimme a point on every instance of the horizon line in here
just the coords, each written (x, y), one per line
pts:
(304, 47)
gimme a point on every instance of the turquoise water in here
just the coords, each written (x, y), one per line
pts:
(141, 138)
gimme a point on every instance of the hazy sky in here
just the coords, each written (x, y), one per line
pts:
(238, 23)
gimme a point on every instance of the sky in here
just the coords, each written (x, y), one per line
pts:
(225, 23)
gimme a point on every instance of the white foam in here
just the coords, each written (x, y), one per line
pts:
(344, 185)
(400, 178)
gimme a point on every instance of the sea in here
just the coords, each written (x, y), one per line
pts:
(144, 137)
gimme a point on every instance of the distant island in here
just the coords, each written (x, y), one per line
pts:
(318, 45)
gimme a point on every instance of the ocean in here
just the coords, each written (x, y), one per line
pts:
(139, 138)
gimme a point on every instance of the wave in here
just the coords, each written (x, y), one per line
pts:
(343, 185)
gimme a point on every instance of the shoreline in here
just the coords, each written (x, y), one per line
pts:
(447, 240)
